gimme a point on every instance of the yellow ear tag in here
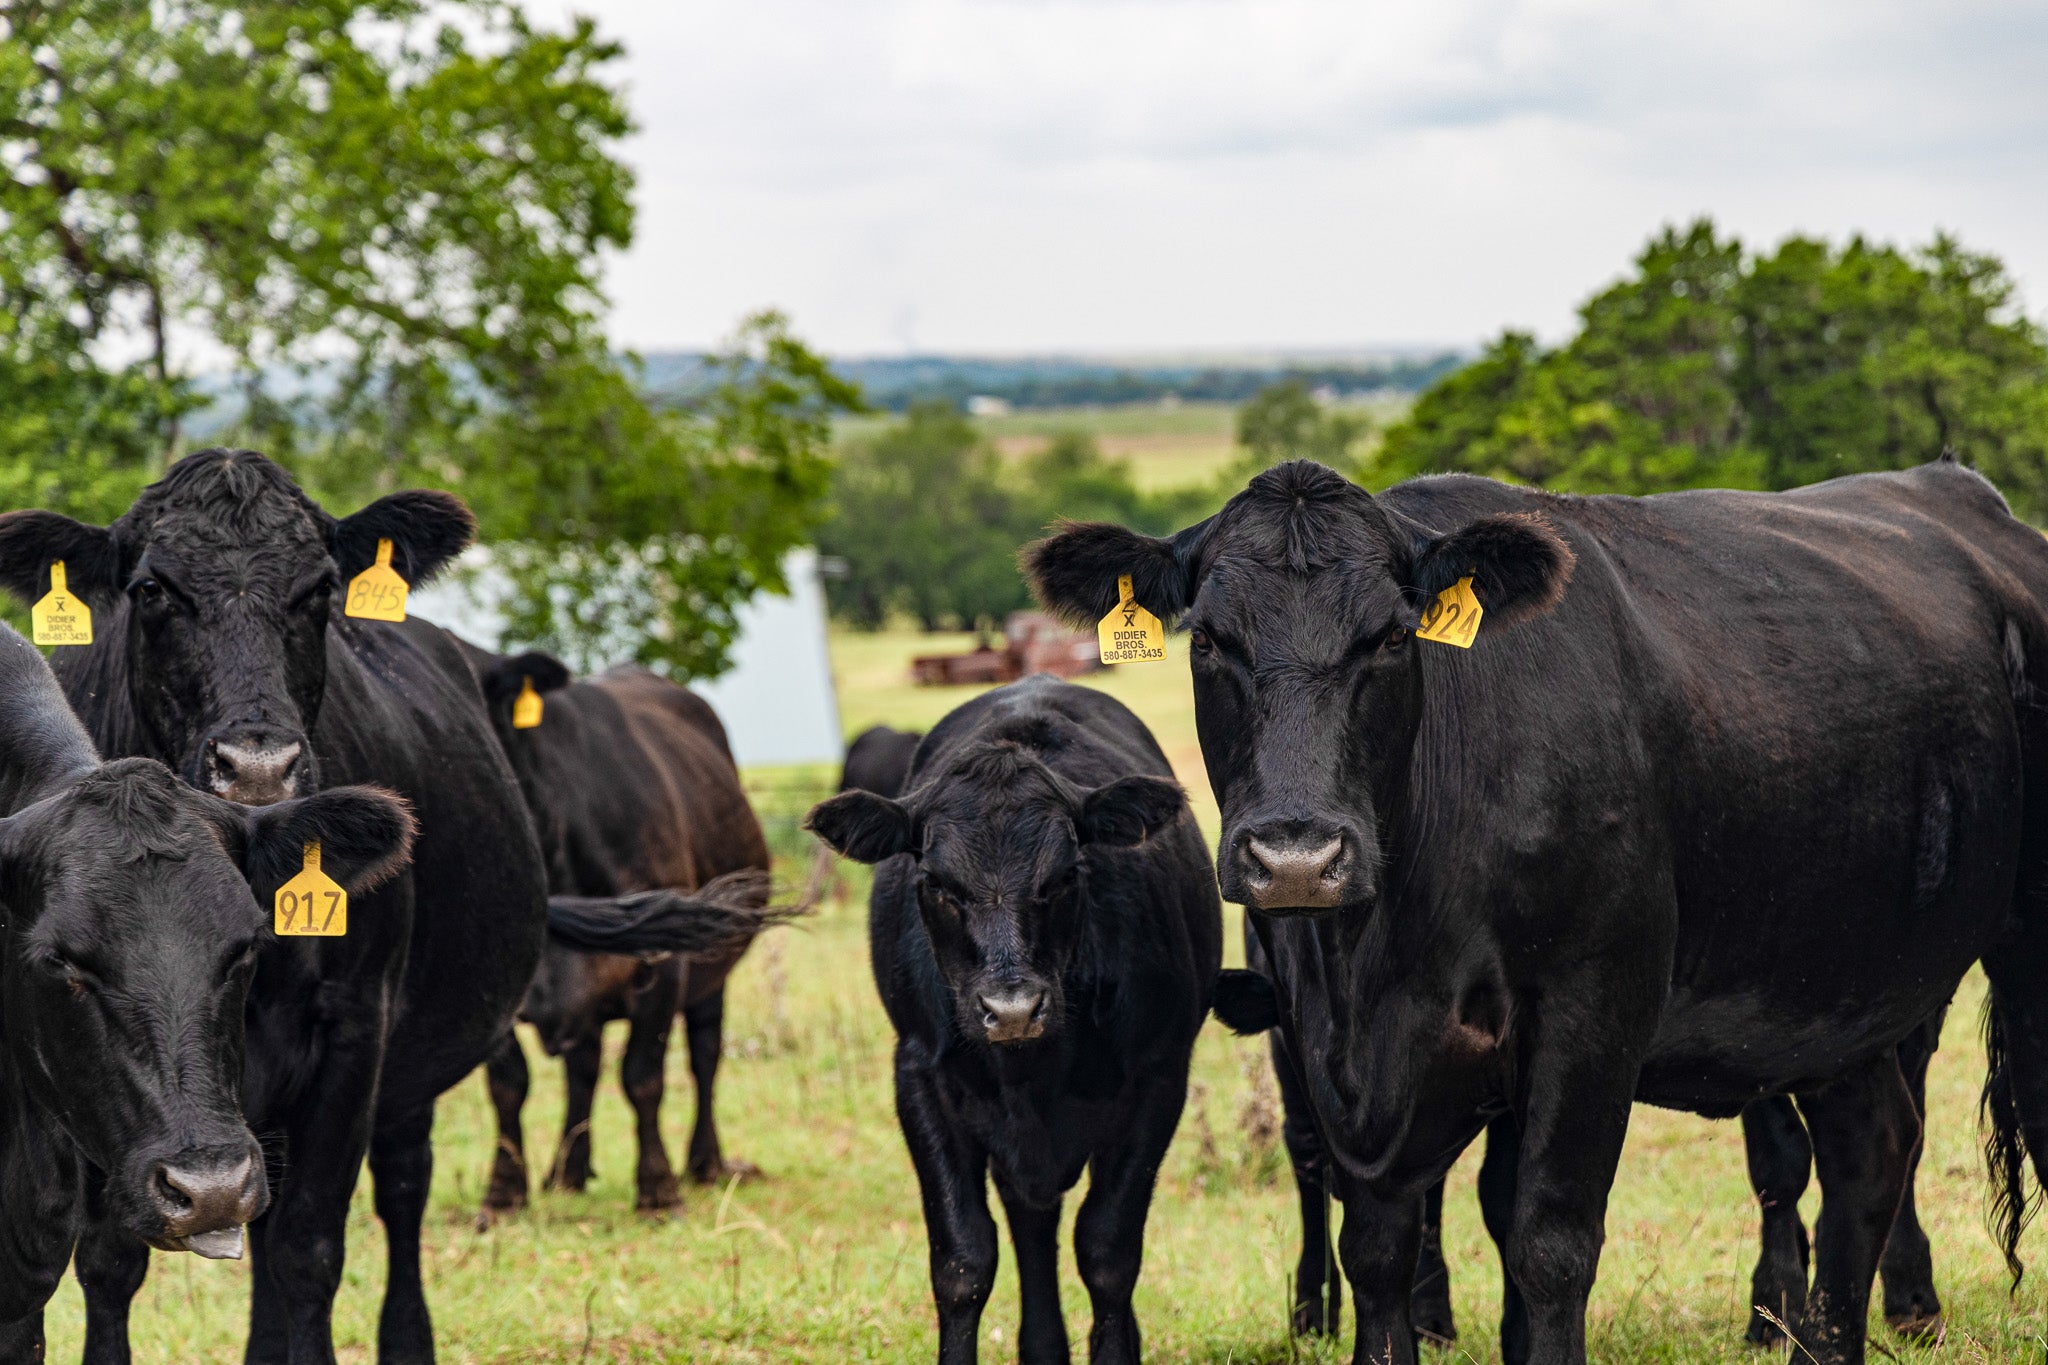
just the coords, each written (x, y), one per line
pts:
(312, 903)
(1453, 619)
(377, 593)
(1130, 634)
(60, 618)
(526, 707)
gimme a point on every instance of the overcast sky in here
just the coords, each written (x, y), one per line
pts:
(1178, 175)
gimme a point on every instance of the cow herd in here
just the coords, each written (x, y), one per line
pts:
(1712, 810)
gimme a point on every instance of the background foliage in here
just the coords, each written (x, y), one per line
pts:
(363, 236)
(1712, 366)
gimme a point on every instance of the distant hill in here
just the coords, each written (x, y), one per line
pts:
(896, 382)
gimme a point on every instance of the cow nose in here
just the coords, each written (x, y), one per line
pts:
(1295, 874)
(204, 1202)
(254, 771)
(1013, 1016)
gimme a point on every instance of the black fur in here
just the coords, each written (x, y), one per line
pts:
(647, 923)
(879, 760)
(427, 528)
(1245, 1003)
(860, 825)
(1518, 564)
(504, 678)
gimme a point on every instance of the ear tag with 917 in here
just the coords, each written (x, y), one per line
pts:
(377, 593)
(1453, 619)
(526, 707)
(1130, 634)
(311, 903)
(58, 616)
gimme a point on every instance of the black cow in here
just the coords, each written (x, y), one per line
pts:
(223, 652)
(1045, 932)
(632, 786)
(1728, 818)
(127, 939)
(879, 760)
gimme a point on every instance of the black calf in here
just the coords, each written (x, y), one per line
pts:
(1045, 934)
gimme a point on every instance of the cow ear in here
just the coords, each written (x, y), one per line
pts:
(862, 826)
(365, 836)
(426, 529)
(1129, 810)
(1518, 563)
(31, 541)
(504, 679)
(1074, 571)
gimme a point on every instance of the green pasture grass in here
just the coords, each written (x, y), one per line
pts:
(824, 1259)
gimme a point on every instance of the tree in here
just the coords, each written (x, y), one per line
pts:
(1708, 366)
(379, 222)
(1283, 421)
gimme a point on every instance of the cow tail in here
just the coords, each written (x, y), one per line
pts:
(718, 915)
(2014, 1200)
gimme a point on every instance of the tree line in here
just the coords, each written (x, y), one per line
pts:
(1707, 365)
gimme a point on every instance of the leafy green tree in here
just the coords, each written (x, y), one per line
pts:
(1707, 366)
(382, 221)
(1283, 421)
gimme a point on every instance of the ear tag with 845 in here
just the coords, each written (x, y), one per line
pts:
(526, 707)
(311, 903)
(59, 617)
(377, 593)
(1130, 634)
(1453, 619)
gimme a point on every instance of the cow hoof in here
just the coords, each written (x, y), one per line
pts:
(1763, 1333)
(664, 1199)
(1918, 1325)
(1442, 1332)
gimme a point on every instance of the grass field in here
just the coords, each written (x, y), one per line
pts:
(824, 1260)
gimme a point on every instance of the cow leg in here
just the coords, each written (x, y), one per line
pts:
(21, 1339)
(1864, 1130)
(1780, 1161)
(110, 1264)
(952, 1173)
(1572, 1127)
(1109, 1233)
(1497, 1206)
(1318, 1289)
(505, 1071)
(1431, 1306)
(640, 1075)
(1911, 1306)
(704, 1024)
(299, 1244)
(571, 1168)
(1381, 1241)
(1035, 1233)
(402, 1172)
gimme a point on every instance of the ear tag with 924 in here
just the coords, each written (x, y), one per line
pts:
(377, 593)
(526, 707)
(1130, 634)
(59, 617)
(1453, 619)
(312, 903)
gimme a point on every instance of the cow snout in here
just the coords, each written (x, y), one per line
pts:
(1294, 872)
(254, 770)
(205, 1201)
(1015, 1016)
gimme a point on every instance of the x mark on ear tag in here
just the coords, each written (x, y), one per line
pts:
(1130, 634)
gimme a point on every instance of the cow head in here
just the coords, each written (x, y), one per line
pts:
(1000, 847)
(1300, 599)
(220, 584)
(127, 937)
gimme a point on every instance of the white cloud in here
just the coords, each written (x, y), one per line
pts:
(1175, 174)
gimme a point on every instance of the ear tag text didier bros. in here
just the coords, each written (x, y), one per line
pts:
(59, 617)
(377, 593)
(311, 904)
(1453, 619)
(526, 707)
(1130, 634)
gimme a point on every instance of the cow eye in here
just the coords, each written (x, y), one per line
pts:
(149, 591)
(1394, 638)
(1199, 641)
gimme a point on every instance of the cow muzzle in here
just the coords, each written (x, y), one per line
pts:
(1014, 1015)
(253, 768)
(1292, 871)
(204, 1199)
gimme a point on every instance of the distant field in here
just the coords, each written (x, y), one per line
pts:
(824, 1261)
(1167, 447)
